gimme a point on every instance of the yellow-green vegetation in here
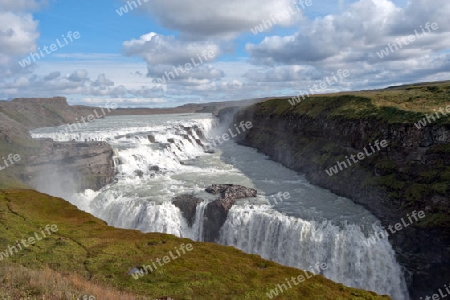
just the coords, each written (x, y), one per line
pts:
(85, 249)
(19, 282)
(396, 105)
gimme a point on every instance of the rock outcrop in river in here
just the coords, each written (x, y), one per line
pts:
(216, 211)
(188, 206)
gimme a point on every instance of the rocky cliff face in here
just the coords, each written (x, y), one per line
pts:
(412, 173)
(70, 167)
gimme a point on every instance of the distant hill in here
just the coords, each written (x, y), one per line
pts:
(210, 107)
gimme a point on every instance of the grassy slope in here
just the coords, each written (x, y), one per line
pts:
(86, 247)
(403, 105)
(19, 282)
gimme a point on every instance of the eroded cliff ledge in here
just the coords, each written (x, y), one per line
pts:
(73, 166)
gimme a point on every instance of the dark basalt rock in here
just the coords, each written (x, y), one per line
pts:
(216, 212)
(154, 168)
(231, 191)
(139, 173)
(188, 206)
(199, 132)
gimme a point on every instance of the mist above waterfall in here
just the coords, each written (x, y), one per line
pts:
(56, 181)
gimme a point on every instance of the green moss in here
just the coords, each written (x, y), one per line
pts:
(415, 192)
(435, 220)
(445, 175)
(440, 149)
(392, 182)
(441, 188)
(385, 165)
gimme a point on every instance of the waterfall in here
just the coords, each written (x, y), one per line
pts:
(290, 241)
(301, 244)
(196, 232)
(156, 162)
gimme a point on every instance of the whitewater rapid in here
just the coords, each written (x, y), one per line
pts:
(160, 157)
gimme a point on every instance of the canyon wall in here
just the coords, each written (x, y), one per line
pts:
(412, 173)
(46, 165)
(65, 168)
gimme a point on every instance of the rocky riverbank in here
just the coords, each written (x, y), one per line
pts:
(411, 174)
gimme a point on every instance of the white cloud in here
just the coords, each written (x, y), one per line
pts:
(52, 75)
(158, 49)
(76, 82)
(79, 75)
(172, 61)
(340, 35)
(359, 33)
(102, 81)
(283, 73)
(215, 18)
(351, 41)
(171, 73)
(21, 5)
(18, 35)
(123, 102)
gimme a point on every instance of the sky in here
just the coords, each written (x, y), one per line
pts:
(165, 53)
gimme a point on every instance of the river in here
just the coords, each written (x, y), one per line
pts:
(310, 226)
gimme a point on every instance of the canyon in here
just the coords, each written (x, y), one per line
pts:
(411, 174)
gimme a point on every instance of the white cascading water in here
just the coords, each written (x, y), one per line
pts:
(151, 174)
(298, 243)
